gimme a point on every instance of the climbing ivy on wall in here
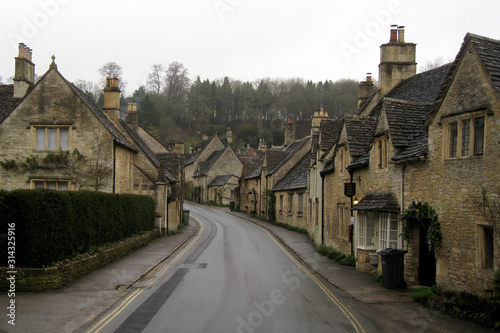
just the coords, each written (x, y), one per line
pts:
(421, 213)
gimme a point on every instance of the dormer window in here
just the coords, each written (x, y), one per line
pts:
(52, 138)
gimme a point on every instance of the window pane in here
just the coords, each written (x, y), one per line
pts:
(63, 138)
(478, 136)
(39, 185)
(51, 185)
(453, 139)
(465, 137)
(52, 138)
(63, 186)
(488, 247)
(40, 138)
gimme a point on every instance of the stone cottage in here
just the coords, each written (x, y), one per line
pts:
(53, 136)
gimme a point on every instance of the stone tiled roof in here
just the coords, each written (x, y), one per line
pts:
(488, 51)
(290, 150)
(329, 167)
(250, 165)
(220, 180)
(119, 137)
(205, 166)
(405, 120)
(417, 149)
(256, 172)
(296, 178)
(359, 131)
(7, 101)
(173, 166)
(420, 88)
(195, 156)
(330, 131)
(378, 202)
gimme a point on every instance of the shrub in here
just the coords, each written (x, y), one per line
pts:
(423, 295)
(336, 255)
(51, 226)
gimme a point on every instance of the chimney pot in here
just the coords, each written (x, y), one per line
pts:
(401, 34)
(368, 77)
(394, 33)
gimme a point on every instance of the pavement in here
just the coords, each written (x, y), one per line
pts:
(96, 291)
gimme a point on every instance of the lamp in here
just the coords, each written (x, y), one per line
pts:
(355, 201)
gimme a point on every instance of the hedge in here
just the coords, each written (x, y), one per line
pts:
(51, 226)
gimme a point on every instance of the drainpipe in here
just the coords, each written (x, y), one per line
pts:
(114, 166)
(351, 234)
(322, 209)
(402, 188)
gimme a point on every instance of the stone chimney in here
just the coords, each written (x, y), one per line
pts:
(179, 148)
(397, 60)
(132, 116)
(24, 74)
(112, 99)
(229, 135)
(289, 132)
(365, 89)
(318, 116)
(204, 137)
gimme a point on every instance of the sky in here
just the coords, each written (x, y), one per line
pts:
(245, 40)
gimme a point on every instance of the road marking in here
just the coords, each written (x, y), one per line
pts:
(352, 319)
(106, 320)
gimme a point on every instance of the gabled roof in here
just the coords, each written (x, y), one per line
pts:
(420, 88)
(251, 166)
(173, 165)
(330, 132)
(201, 146)
(378, 202)
(488, 51)
(405, 120)
(205, 166)
(279, 159)
(108, 124)
(359, 130)
(296, 178)
(220, 180)
(7, 101)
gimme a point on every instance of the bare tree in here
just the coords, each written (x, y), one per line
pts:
(431, 64)
(156, 78)
(176, 89)
(90, 88)
(111, 69)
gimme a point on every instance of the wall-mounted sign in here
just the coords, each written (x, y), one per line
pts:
(349, 189)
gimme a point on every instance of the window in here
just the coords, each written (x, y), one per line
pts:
(488, 248)
(58, 185)
(281, 205)
(290, 204)
(389, 231)
(51, 138)
(366, 230)
(343, 161)
(378, 231)
(381, 145)
(300, 212)
(344, 220)
(465, 138)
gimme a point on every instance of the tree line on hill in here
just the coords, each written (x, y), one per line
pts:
(175, 108)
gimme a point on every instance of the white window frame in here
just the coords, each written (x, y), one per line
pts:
(378, 227)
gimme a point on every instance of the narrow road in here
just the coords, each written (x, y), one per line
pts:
(233, 276)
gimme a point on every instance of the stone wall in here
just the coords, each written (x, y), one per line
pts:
(40, 279)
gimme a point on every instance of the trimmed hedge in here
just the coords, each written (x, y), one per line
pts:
(51, 226)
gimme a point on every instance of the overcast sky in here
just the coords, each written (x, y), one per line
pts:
(243, 39)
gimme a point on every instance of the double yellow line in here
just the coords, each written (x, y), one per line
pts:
(103, 322)
(352, 319)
